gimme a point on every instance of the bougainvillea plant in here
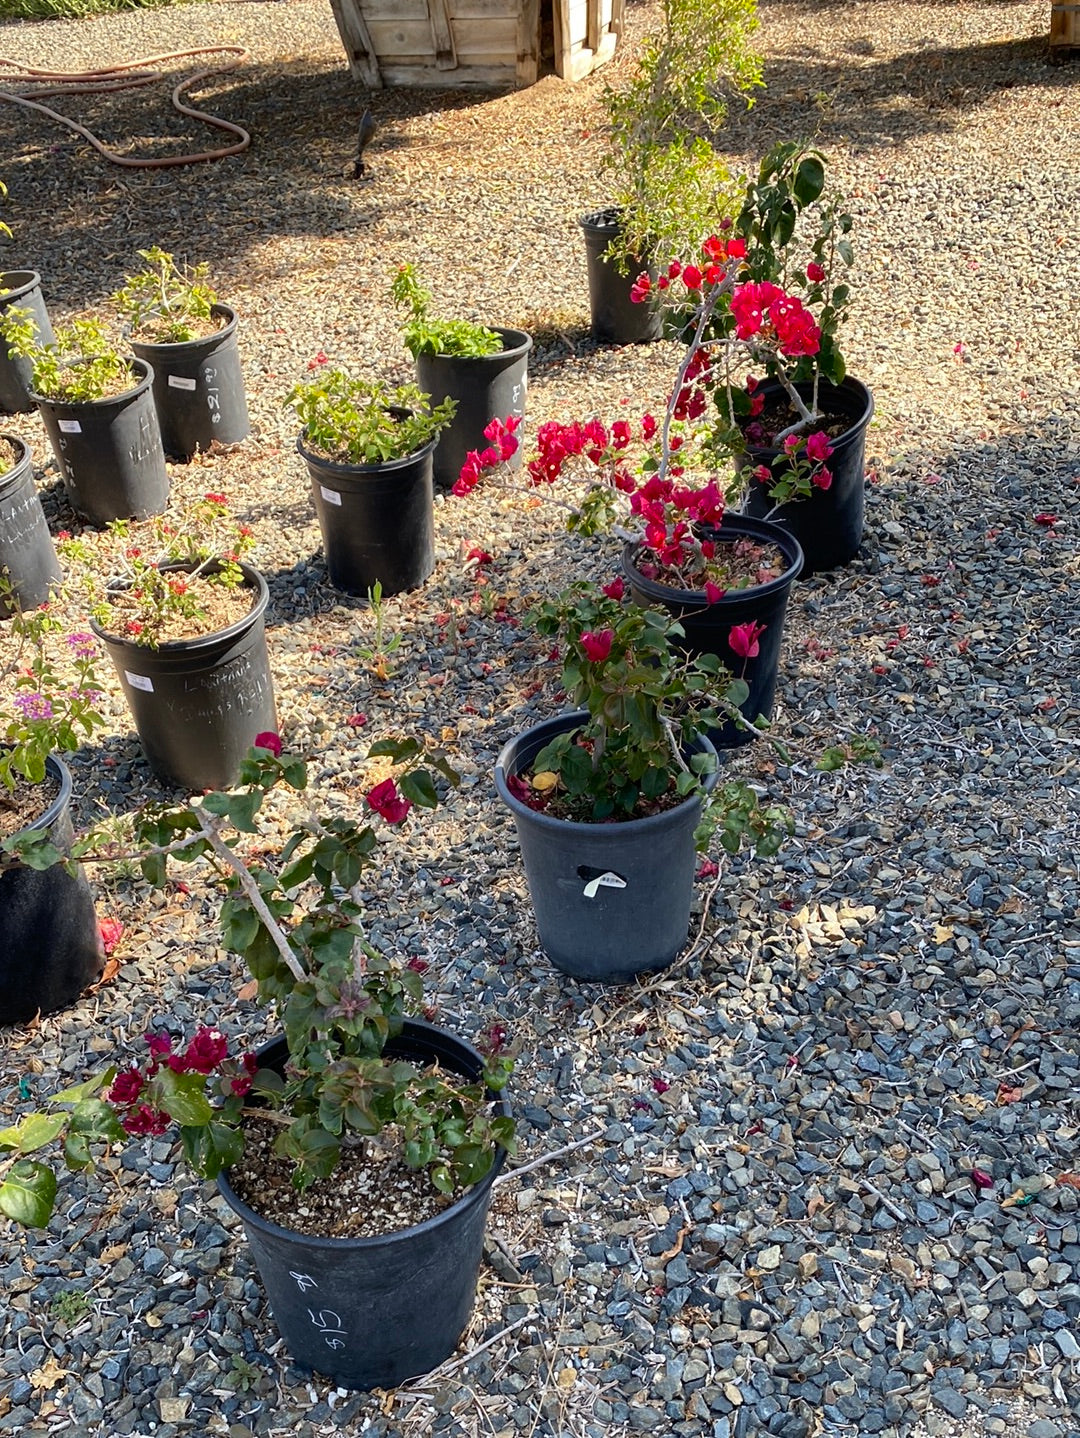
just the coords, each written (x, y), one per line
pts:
(163, 578)
(297, 919)
(49, 693)
(647, 701)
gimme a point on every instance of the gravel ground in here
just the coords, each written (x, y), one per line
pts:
(775, 1230)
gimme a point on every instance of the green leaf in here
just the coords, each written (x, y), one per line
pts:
(399, 750)
(846, 253)
(242, 809)
(420, 788)
(809, 180)
(28, 1194)
(34, 1131)
(183, 1097)
(87, 1089)
(239, 924)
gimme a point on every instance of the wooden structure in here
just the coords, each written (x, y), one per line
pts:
(1064, 28)
(481, 44)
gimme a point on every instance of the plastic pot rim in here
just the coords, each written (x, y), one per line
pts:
(577, 718)
(849, 385)
(145, 381)
(59, 771)
(379, 466)
(512, 349)
(473, 1194)
(16, 470)
(697, 599)
(255, 581)
(11, 293)
(169, 348)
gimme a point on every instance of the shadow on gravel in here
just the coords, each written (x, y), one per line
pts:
(303, 122)
(885, 103)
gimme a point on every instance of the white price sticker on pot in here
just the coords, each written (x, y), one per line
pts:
(180, 381)
(603, 881)
(69, 426)
(139, 681)
(330, 495)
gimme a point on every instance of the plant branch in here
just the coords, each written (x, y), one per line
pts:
(254, 894)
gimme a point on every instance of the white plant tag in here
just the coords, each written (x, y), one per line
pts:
(139, 681)
(330, 495)
(69, 426)
(179, 381)
(603, 881)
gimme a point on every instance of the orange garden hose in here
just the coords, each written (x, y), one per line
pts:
(128, 76)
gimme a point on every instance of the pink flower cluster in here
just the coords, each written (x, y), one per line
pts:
(756, 307)
(502, 446)
(719, 253)
(557, 444)
(207, 1051)
(670, 511)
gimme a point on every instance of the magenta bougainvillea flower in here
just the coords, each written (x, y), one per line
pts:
(597, 647)
(385, 801)
(269, 741)
(744, 639)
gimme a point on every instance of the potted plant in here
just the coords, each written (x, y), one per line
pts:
(358, 1148)
(368, 449)
(668, 183)
(177, 324)
(658, 484)
(50, 944)
(484, 371)
(27, 555)
(21, 289)
(99, 416)
(183, 621)
(797, 433)
(611, 801)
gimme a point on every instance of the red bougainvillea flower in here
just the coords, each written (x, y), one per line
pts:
(640, 289)
(126, 1087)
(714, 248)
(1046, 519)
(620, 434)
(762, 473)
(269, 741)
(481, 556)
(818, 447)
(713, 592)
(648, 426)
(691, 277)
(145, 1120)
(822, 478)
(814, 272)
(597, 646)
(616, 589)
(356, 721)
(385, 800)
(749, 304)
(205, 1051)
(112, 931)
(744, 638)
(215, 498)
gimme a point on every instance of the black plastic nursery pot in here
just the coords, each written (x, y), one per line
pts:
(612, 900)
(109, 452)
(377, 520)
(21, 289)
(708, 626)
(26, 548)
(199, 703)
(373, 1312)
(198, 389)
(828, 525)
(616, 319)
(50, 942)
(486, 387)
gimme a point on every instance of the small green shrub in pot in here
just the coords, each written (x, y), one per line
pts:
(351, 420)
(166, 303)
(84, 365)
(668, 181)
(424, 335)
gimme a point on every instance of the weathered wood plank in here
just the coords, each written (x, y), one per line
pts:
(466, 77)
(527, 58)
(592, 25)
(495, 40)
(361, 53)
(442, 35)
